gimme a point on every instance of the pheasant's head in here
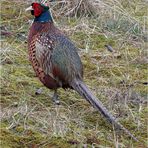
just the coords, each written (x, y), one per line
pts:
(40, 11)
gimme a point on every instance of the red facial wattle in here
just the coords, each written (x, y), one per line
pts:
(38, 9)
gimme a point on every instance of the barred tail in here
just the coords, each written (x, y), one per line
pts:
(84, 91)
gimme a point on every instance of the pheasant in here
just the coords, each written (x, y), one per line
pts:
(56, 62)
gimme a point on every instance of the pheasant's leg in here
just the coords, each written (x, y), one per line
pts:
(56, 98)
(38, 91)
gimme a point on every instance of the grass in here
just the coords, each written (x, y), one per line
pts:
(117, 79)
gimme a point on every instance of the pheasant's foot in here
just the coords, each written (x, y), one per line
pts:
(55, 98)
(38, 91)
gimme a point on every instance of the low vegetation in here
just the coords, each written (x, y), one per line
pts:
(116, 74)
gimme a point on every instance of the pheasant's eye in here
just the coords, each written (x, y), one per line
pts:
(32, 12)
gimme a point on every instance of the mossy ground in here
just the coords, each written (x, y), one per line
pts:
(117, 79)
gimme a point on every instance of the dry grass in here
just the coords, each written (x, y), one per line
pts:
(118, 78)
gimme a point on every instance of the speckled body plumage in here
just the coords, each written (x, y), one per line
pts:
(53, 56)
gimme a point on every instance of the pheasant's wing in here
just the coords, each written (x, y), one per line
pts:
(65, 59)
(58, 57)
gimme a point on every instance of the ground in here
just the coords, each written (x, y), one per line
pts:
(118, 79)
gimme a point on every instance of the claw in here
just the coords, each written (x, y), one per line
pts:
(55, 98)
(38, 91)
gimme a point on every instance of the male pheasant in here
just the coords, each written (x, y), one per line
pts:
(56, 62)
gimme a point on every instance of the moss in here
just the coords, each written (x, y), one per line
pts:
(82, 125)
(12, 140)
(93, 41)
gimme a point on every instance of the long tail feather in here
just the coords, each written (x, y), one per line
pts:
(84, 91)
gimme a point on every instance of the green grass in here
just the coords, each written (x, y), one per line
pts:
(115, 78)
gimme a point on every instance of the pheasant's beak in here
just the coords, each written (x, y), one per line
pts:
(29, 8)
